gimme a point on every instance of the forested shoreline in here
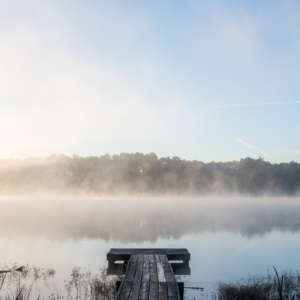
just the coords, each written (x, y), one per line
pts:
(144, 174)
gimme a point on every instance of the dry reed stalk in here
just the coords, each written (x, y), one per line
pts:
(2, 281)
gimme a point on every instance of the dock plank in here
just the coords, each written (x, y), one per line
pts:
(172, 291)
(153, 292)
(144, 292)
(135, 290)
(146, 271)
(149, 277)
(153, 272)
(160, 272)
(126, 289)
(162, 291)
(163, 258)
(168, 274)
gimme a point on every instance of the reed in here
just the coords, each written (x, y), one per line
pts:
(270, 287)
(83, 285)
(80, 285)
(21, 291)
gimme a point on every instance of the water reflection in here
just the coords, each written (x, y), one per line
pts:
(145, 219)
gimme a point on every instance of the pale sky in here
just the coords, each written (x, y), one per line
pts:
(204, 80)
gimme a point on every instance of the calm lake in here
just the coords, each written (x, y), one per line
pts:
(228, 240)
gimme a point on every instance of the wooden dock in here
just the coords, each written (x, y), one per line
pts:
(149, 277)
(149, 274)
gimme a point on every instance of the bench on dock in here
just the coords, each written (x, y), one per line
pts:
(149, 274)
(124, 255)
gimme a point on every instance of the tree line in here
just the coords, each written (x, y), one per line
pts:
(144, 174)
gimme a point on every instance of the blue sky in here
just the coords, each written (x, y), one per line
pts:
(205, 80)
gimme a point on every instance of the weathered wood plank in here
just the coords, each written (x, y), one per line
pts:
(131, 269)
(139, 265)
(139, 272)
(144, 292)
(169, 278)
(176, 286)
(172, 290)
(135, 290)
(124, 289)
(163, 258)
(153, 272)
(134, 258)
(146, 271)
(168, 274)
(160, 272)
(125, 292)
(167, 266)
(151, 258)
(153, 292)
(131, 265)
(138, 276)
(162, 291)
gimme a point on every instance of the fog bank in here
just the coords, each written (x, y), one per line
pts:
(140, 221)
(144, 174)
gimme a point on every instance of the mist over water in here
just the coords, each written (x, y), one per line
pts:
(227, 238)
(146, 220)
(144, 175)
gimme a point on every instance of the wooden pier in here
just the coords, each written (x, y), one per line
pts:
(148, 273)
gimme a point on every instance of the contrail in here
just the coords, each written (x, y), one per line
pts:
(243, 143)
(251, 104)
(245, 248)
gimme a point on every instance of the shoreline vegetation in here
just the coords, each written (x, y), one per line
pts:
(35, 283)
(270, 287)
(81, 284)
(144, 174)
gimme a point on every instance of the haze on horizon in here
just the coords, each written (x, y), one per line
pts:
(203, 80)
(144, 175)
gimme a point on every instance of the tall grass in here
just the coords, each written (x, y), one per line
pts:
(80, 285)
(84, 285)
(270, 287)
(15, 290)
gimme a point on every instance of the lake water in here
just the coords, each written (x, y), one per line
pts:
(228, 240)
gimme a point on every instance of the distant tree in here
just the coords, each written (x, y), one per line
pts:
(138, 174)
